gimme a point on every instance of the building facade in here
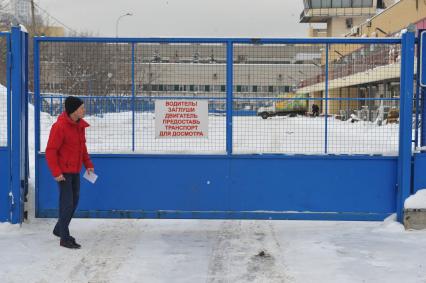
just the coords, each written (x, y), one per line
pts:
(362, 71)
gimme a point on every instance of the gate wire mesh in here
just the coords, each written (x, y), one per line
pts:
(372, 104)
(280, 102)
(265, 81)
(101, 74)
(358, 115)
(3, 91)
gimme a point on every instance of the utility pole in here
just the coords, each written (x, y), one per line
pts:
(33, 24)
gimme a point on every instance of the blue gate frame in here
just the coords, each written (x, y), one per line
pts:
(352, 187)
(419, 162)
(14, 159)
(5, 204)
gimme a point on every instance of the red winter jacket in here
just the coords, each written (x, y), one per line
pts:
(66, 149)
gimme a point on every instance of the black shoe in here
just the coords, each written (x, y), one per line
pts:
(76, 244)
(69, 244)
(58, 235)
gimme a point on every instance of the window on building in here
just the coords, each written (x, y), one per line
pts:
(346, 3)
(336, 3)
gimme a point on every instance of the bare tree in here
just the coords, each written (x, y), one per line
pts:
(5, 21)
(42, 27)
(83, 68)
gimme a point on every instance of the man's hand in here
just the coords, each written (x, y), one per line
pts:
(60, 178)
(90, 170)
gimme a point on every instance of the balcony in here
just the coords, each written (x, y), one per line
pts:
(321, 15)
(364, 65)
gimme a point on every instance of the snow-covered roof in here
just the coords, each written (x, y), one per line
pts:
(377, 74)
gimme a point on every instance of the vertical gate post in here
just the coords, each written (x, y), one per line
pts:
(421, 68)
(422, 102)
(133, 97)
(37, 110)
(327, 47)
(406, 120)
(417, 95)
(18, 126)
(229, 92)
(26, 127)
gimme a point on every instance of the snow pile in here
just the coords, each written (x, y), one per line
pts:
(416, 201)
(7, 228)
(391, 225)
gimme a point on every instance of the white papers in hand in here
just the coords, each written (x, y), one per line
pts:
(90, 177)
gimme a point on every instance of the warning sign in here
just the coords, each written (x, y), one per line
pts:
(181, 119)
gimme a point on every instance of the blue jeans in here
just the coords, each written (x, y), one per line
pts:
(69, 194)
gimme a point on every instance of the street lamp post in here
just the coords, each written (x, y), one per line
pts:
(118, 20)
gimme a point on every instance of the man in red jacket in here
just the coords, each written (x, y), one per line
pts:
(66, 152)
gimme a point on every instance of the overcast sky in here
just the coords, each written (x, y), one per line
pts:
(181, 18)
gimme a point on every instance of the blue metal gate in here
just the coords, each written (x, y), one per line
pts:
(14, 163)
(352, 162)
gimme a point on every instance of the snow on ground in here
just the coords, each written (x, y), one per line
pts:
(210, 250)
(418, 200)
(214, 251)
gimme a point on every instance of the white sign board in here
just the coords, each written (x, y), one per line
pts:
(181, 119)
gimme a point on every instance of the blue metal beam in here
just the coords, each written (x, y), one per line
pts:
(229, 94)
(36, 56)
(235, 98)
(18, 65)
(226, 40)
(406, 123)
(327, 47)
(133, 97)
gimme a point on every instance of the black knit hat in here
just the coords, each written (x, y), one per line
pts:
(72, 103)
